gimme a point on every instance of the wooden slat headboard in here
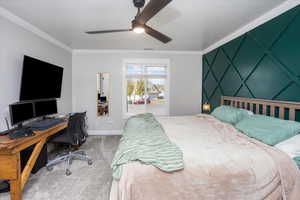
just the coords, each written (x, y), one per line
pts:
(263, 105)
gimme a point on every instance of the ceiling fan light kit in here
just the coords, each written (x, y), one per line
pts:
(139, 22)
(137, 28)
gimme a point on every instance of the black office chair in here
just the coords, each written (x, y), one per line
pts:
(73, 136)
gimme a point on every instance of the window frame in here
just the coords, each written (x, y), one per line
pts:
(150, 62)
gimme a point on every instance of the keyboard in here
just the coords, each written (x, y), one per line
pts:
(45, 124)
(20, 133)
(5, 132)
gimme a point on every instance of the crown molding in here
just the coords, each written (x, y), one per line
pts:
(289, 4)
(29, 27)
(134, 51)
(282, 8)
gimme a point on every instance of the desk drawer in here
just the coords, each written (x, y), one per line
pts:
(9, 166)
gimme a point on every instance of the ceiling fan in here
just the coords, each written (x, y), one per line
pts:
(139, 22)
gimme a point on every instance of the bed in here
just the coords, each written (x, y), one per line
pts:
(219, 162)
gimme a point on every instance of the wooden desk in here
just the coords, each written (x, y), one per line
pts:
(102, 109)
(10, 166)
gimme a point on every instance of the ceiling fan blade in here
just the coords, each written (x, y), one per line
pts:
(151, 9)
(108, 31)
(159, 36)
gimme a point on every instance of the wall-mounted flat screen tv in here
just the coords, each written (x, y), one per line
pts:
(40, 80)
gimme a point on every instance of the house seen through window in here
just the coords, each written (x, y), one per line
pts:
(146, 89)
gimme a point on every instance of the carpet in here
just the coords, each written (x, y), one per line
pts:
(86, 182)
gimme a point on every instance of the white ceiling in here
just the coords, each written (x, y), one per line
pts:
(193, 24)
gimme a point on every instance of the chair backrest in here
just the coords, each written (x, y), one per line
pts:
(84, 124)
(77, 128)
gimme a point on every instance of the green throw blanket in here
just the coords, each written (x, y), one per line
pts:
(297, 160)
(144, 140)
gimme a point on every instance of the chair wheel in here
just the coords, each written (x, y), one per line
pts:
(90, 162)
(49, 169)
(68, 172)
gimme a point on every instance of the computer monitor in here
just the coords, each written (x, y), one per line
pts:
(20, 112)
(45, 107)
(103, 99)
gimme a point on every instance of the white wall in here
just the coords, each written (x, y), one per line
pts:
(185, 83)
(105, 85)
(14, 43)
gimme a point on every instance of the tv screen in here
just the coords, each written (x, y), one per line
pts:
(43, 108)
(40, 80)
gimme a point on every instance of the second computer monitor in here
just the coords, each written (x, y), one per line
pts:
(20, 112)
(103, 99)
(45, 107)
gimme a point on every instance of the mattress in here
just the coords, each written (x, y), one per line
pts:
(219, 163)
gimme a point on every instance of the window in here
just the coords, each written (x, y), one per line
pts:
(146, 88)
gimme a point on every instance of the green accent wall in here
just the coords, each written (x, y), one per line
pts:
(263, 63)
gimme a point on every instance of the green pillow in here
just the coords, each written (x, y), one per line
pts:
(268, 130)
(230, 114)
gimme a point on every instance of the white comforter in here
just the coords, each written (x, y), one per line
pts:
(220, 163)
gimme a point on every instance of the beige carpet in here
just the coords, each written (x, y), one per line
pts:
(85, 183)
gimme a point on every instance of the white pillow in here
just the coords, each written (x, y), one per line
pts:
(290, 146)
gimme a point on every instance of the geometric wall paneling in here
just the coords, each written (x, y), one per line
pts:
(288, 94)
(231, 82)
(232, 47)
(211, 84)
(205, 69)
(262, 63)
(273, 82)
(268, 33)
(290, 41)
(243, 92)
(210, 58)
(217, 66)
(248, 56)
(216, 98)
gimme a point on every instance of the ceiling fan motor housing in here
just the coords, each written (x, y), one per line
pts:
(139, 3)
(135, 24)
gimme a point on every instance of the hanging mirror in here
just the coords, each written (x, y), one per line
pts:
(103, 90)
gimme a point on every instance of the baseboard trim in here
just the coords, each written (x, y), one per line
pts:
(105, 132)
